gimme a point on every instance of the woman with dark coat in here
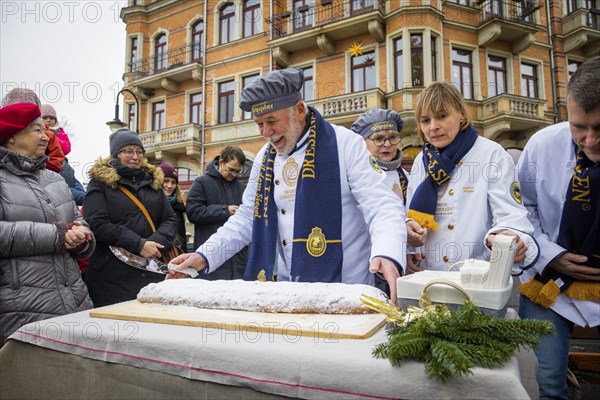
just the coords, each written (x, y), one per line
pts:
(117, 221)
(41, 231)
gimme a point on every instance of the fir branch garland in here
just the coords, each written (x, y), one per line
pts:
(452, 343)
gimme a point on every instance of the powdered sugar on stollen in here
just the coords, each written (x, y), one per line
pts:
(273, 297)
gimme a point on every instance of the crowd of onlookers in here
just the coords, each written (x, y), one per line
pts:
(56, 255)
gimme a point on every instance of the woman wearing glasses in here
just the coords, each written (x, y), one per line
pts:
(463, 188)
(117, 221)
(381, 131)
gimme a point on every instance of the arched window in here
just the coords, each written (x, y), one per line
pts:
(227, 23)
(160, 52)
(251, 17)
(197, 40)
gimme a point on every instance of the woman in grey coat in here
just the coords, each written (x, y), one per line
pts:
(41, 230)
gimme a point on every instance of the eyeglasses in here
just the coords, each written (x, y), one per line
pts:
(232, 171)
(130, 153)
(379, 140)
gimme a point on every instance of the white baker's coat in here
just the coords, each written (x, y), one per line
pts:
(372, 215)
(475, 202)
(545, 170)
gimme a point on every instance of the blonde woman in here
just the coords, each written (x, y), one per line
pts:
(462, 188)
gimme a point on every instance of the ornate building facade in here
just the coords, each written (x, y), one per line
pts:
(187, 62)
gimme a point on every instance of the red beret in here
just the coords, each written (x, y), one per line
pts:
(16, 117)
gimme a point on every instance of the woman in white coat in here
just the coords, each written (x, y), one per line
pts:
(462, 189)
(381, 131)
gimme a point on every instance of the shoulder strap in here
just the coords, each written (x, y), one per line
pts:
(139, 204)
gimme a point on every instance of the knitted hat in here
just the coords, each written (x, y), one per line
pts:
(121, 138)
(48, 111)
(273, 91)
(169, 171)
(375, 120)
(21, 96)
(16, 117)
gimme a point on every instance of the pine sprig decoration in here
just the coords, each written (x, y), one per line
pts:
(452, 343)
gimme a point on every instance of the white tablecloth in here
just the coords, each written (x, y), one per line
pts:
(293, 366)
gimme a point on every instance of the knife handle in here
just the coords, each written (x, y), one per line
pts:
(191, 272)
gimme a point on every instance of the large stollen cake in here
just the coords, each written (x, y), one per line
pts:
(271, 297)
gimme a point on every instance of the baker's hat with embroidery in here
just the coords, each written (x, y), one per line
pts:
(273, 91)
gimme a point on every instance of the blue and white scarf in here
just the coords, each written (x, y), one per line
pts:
(439, 166)
(317, 245)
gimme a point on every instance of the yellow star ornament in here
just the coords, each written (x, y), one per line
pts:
(356, 49)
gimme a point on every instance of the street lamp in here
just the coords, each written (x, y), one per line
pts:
(116, 123)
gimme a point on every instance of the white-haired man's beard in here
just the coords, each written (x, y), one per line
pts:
(291, 136)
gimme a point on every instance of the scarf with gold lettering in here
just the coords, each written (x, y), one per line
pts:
(317, 245)
(439, 166)
(579, 233)
(403, 182)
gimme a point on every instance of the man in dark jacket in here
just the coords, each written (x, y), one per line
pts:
(213, 198)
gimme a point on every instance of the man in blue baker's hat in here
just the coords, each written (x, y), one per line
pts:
(311, 190)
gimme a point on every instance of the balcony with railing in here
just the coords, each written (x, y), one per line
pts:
(167, 69)
(182, 139)
(323, 23)
(509, 112)
(581, 29)
(512, 21)
(347, 107)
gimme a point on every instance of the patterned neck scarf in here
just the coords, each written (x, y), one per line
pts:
(439, 166)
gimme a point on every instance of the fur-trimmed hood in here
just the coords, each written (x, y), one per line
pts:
(104, 172)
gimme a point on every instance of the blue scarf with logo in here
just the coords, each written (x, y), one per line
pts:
(317, 245)
(439, 167)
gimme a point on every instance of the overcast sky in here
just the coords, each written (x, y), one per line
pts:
(72, 54)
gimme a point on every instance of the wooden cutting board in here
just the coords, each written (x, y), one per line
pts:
(326, 326)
